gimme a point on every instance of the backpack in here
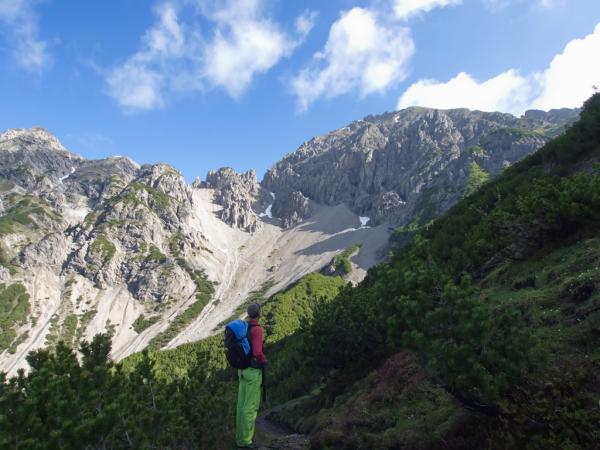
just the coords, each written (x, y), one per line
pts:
(237, 346)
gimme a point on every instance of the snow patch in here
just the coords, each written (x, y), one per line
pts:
(68, 175)
(267, 212)
(364, 221)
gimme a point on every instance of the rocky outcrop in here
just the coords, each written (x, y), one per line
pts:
(102, 179)
(407, 165)
(292, 208)
(133, 236)
(49, 251)
(237, 194)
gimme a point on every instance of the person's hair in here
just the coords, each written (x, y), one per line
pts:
(254, 310)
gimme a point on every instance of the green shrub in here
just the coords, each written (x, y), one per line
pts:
(477, 178)
(22, 338)
(343, 259)
(476, 150)
(156, 255)
(174, 244)
(156, 199)
(141, 323)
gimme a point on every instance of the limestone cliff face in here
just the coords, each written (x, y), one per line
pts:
(409, 164)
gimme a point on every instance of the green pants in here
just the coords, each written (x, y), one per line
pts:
(247, 404)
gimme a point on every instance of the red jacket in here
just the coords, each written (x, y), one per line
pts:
(256, 342)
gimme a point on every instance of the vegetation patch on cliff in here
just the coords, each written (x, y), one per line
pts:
(141, 323)
(341, 264)
(205, 289)
(14, 311)
(25, 211)
(103, 246)
(156, 198)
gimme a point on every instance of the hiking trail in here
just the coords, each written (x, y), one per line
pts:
(270, 435)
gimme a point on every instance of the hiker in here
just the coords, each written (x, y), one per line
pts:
(251, 380)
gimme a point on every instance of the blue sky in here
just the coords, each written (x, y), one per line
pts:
(201, 84)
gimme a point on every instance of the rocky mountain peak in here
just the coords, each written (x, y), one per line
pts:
(39, 137)
(227, 177)
(35, 160)
(166, 180)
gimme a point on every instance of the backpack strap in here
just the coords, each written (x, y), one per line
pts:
(250, 326)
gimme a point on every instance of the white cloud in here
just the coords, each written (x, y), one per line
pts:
(138, 82)
(176, 56)
(567, 82)
(363, 52)
(569, 79)
(405, 9)
(246, 43)
(19, 25)
(505, 92)
(136, 86)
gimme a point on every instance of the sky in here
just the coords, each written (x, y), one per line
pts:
(203, 84)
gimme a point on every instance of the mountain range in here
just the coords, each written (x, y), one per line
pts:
(108, 245)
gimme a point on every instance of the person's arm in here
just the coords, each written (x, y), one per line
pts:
(256, 339)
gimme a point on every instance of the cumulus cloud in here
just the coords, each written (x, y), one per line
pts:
(567, 82)
(506, 92)
(246, 43)
(19, 26)
(405, 9)
(363, 52)
(177, 56)
(368, 50)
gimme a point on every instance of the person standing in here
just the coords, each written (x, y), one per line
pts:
(250, 382)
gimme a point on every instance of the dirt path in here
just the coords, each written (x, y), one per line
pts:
(270, 435)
